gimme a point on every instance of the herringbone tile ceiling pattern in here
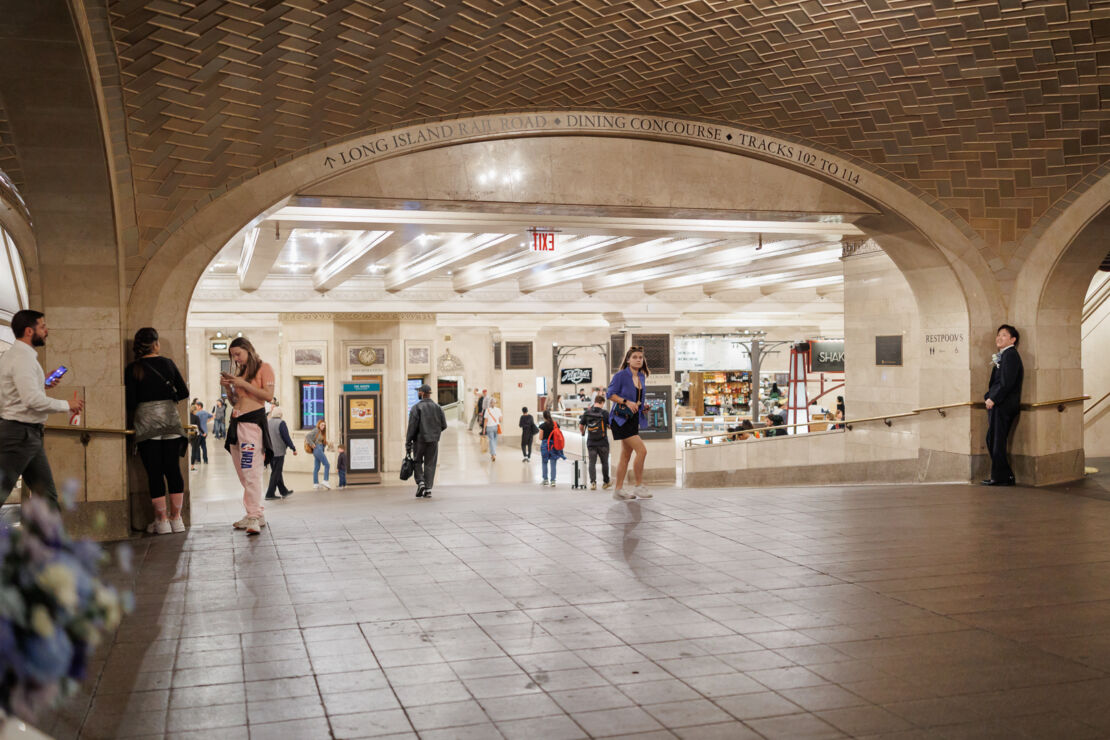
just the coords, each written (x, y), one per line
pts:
(997, 107)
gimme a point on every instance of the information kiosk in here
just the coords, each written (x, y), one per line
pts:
(361, 404)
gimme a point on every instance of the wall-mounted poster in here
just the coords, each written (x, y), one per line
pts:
(362, 413)
(363, 453)
(888, 350)
(308, 357)
(657, 399)
(419, 355)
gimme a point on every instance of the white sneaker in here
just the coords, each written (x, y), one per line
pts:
(159, 527)
(177, 525)
(254, 526)
(622, 495)
(324, 486)
(593, 486)
(642, 491)
(552, 484)
(544, 483)
(242, 523)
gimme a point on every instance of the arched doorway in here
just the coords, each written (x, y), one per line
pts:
(951, 284)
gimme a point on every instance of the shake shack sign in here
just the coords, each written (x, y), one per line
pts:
(576, 375)
(826, 357)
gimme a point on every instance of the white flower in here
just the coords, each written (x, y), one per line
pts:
(41, 621)
(59, 581)
(109, 602)
(995, 359)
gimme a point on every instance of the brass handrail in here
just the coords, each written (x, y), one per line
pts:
(831, 422)
(93, 430)
(1058, 403)
(942, 409)
(1096, 403)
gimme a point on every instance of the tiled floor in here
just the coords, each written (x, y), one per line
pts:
(507, 610)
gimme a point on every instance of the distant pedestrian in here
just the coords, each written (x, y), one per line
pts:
(627, 417)
(528, 431)
(549, 456)
(595, 427)
(477, 415)
(219, 419)
(153, 387)
(249, 386)
(426, 424)
(341, 465)
(491, 420)
(201, 448)
(282, 441)
(317, 441)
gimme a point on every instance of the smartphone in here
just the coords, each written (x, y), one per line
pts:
(59, 372)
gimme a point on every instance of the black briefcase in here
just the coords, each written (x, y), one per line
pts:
(406, 467)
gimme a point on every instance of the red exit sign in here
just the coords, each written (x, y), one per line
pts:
(543, 240)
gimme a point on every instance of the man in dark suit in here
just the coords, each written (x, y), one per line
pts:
(426, 423)
(1003, 401)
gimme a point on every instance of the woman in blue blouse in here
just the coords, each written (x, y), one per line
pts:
(627, 417)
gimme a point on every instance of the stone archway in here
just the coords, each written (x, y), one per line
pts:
(1063, 251)
(938, 254)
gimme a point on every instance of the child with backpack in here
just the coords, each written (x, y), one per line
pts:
(595, 426)
(551, 447)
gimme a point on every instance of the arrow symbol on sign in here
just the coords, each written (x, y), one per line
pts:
(330, 162)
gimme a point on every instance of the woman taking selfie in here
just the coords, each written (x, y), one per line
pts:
(626, 418)
(249, 386)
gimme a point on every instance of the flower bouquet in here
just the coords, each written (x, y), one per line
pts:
(53, 609)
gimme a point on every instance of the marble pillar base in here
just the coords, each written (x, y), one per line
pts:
(98, 520)
(1047, 470)
(871, 471)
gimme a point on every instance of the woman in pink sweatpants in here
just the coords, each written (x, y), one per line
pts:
(249, 387)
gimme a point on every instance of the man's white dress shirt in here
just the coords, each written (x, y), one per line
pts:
(22, 387)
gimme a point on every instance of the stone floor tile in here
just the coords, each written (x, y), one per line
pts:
(353, 702)
(826, 696)
(281, 710)
(724, 684)
(795, 727)
(548, 728)
(786, 678)
(686, 713)
(277, 669)
(511, 685)
(734, 730)
(523, 706)
(369, 724)
(278, 688)
(754, 706)
(593, 698)
(336, 683)
(659, 692)
(438, 716)
(431, 692)
(622, 721)
(206, 718)
(298, 729)
(864, 720)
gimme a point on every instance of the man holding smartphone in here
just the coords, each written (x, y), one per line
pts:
(24, 407)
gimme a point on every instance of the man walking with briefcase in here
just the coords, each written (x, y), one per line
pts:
(426, 423)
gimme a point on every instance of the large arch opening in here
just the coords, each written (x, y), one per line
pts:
(945, 281)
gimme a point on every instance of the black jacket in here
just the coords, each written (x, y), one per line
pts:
(426, 420)
(1005, 386)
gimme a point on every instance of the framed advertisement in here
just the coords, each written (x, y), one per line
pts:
(657, 399)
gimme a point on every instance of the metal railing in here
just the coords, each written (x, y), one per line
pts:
(758, 434)
(1094, 405)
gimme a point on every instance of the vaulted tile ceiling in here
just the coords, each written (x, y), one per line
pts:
(994, 106)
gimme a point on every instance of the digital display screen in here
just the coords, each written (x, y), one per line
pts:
(312, 403)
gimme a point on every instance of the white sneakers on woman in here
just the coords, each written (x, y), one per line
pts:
(159, 527)
(624, 494)
(321, 486)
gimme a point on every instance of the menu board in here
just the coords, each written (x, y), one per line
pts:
(362, 413)
(657, 399)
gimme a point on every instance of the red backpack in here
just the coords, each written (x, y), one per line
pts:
(555, 439)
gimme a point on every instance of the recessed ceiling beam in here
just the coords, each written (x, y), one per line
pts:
(355, 256)
(459, 251)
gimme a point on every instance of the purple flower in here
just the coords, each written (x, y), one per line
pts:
(48, 658)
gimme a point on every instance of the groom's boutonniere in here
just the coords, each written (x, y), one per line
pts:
(994, 359)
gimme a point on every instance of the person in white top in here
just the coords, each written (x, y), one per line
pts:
(24, 407)
(492, 422)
